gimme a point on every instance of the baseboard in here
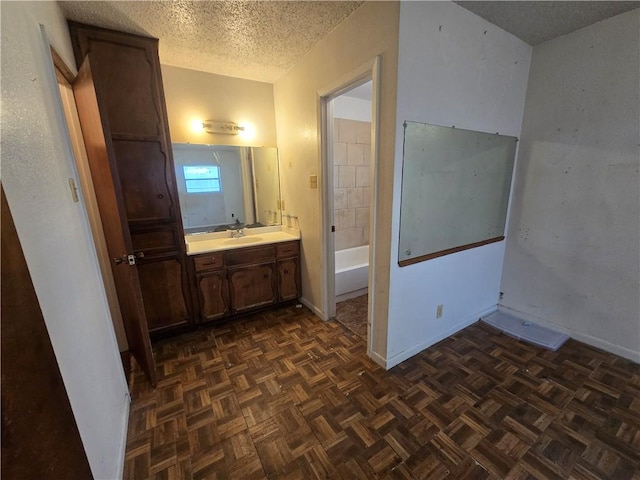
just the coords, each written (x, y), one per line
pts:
(316, 311)
(623, 352)
(380, 360)
(354, 294)
(402, 356)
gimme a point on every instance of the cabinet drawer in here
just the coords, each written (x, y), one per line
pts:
(210, 261)
(287, 249)
(248, 256)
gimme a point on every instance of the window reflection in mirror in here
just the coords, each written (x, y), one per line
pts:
(221, 186)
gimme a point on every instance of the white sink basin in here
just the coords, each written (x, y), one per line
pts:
(242, 240)
(220, 241)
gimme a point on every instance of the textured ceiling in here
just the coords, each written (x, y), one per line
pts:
(258, 40)
(262, 40)
(538, 22)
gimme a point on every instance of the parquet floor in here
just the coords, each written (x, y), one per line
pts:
(283, 395)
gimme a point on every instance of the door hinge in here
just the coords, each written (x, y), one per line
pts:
(74, 191)
(333, 228)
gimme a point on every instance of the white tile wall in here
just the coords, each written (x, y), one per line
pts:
(347, 130)
(362, 175)
(362, 217)
(355, 155)
(346, 176)
(340, 153)
(339, 198)
(351, 194)
(363, 133)
(354, 197)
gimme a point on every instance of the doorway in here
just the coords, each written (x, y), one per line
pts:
(349, 131)
(351, 124)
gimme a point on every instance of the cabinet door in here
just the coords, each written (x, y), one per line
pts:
(128, 70)
(213, 293)
(288, 283)
(113, 218)
(252, 286)
(146, 182)
(164, 290)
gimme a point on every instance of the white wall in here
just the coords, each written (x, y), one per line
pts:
(370, 31)
(55, 235)
(351, 108)
(572, 257)
(454, 68)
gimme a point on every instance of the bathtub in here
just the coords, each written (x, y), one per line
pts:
(352, 272)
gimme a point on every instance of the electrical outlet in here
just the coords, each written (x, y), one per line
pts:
(313, 181)
(439, 311)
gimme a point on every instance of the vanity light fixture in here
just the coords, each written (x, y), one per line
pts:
(227, 128)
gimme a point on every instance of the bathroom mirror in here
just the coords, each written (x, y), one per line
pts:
(221, 186)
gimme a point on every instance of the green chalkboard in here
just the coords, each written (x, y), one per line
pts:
(455, 190)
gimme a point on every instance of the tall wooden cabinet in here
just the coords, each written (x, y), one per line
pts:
(125, 70)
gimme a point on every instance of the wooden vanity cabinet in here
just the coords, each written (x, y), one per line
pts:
(212, 286)
(126, 75)
(252, 277)
(245, 279)
(288, 255)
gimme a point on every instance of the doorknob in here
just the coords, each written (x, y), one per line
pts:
(130, 259)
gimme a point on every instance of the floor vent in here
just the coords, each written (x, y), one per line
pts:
(526, 331)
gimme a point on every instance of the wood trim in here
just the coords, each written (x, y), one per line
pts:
(61, 68)
(136, 137)
(442, 253)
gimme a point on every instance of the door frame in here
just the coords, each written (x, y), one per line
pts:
(65, 79)
(369, 71)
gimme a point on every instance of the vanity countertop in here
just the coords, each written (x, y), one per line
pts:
(218, 241)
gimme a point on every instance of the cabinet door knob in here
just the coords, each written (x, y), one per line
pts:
(286, 272)
(160, 196)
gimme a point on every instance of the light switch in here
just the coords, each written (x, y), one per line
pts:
(313, 181)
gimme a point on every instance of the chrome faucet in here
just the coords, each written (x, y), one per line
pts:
(236, 230)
